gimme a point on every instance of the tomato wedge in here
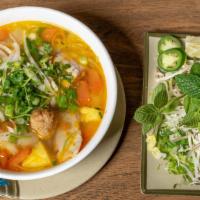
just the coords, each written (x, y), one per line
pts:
(83, 93)
(4, 156)
(15, 161)
(94, 80)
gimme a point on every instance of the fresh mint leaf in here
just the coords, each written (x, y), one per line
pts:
(191, 104)
(192, 119)
(171, 105)
(189, 84)
(186, 103)
(146, 128)
(148, 114)
(160, 96)
(195, 69)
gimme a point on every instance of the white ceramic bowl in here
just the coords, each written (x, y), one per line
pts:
(77, 27)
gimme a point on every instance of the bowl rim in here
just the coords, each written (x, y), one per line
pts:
(110, 101)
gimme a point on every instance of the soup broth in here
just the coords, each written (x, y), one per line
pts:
(52, 95)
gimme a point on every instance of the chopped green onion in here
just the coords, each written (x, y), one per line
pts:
(16, 64)
(9, 110)
(12, 138)
(73, 107)
(20, 121)
(35, 101)
(31, 74)
(62, 102)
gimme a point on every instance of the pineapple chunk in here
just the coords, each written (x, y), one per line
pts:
(39, 157)
(90, 114)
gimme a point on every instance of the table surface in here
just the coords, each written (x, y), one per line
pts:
(121, 25)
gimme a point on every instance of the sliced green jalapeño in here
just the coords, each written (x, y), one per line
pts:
(171, 60)
(168, 42)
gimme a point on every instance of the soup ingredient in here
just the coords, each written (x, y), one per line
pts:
(42, 123)
(16, 160)
(8, 54)
(67, 100)
(83, 93)
(90, 114)
(168, 42)
(24, 141)
(46, 75)
(15, 56)
(33, 56)
(65, 83)
(68, 138)
(83, 60)
(9, 147)
(94, 80)
(3, 159)
(71, 146)
(39, 158)
(88, 129)
(171, 60)
(48, 34)
(3, 34)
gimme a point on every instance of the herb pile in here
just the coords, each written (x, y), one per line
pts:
(171, 120)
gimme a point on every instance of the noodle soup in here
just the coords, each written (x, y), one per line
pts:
(52, 95)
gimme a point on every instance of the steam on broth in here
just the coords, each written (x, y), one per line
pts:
(52, 95)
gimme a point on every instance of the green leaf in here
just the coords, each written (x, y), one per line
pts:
(32, 46)
(73, 107)
(171, 105)
(163, 142)
(47, 48)
(35, 101)
(186, 103)
(62, 101)
(71, 93)
(174, 168)
(9, 110)
(192, 119)
(12, 138)
(146, 128)
(195, 70)
(160, 96)
(147, 114)
(31, 74)
(17, 77)
(189, 84)
(191, 104)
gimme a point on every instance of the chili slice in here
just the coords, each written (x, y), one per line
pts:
(168, 42)
(171, 60)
